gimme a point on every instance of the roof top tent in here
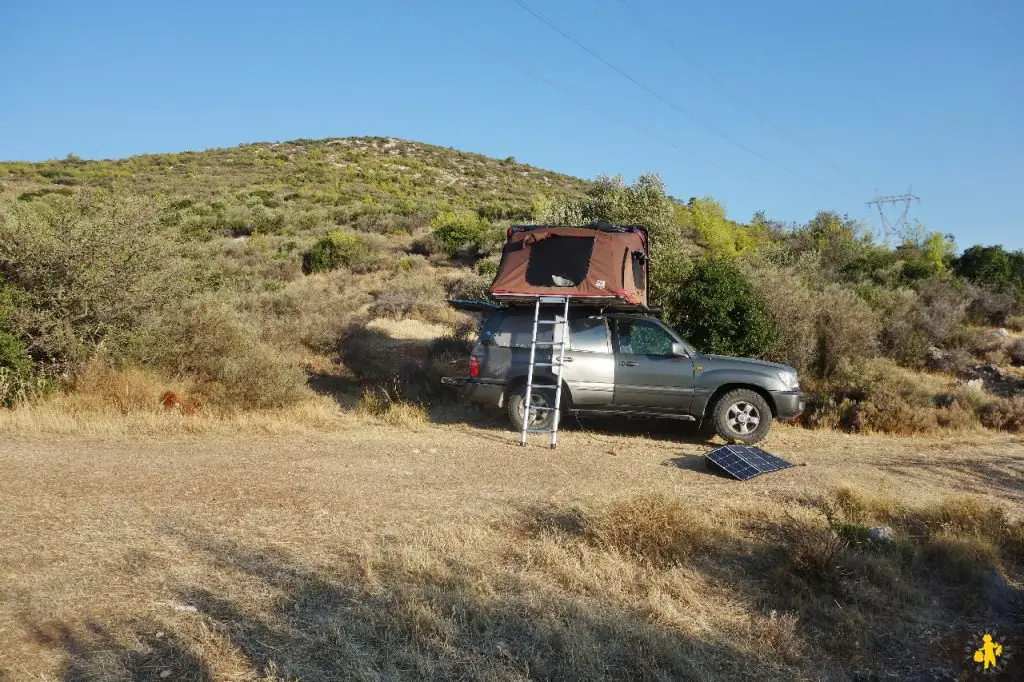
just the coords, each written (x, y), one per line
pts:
(600, 264)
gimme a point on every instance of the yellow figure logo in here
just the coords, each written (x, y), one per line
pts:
(989, 652)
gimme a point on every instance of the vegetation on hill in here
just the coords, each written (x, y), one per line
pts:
(244, 276)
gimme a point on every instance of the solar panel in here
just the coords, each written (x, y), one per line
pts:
(743, 462)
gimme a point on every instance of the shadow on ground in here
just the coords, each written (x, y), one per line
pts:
(1002, 476)
(393, 619)
(140, 651)
(396, 622)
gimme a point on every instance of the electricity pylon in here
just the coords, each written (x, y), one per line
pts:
(899, 227)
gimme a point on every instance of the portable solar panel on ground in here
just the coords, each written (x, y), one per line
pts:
(743, 462)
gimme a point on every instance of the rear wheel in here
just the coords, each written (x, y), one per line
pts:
(539, 398)
(742, 416)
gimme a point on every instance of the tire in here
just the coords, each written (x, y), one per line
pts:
(540, 397)
(742, 416)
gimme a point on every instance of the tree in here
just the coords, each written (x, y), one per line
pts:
(642, 203)
(716, 309)
(991, 267)
(708, 219)
(927, 255)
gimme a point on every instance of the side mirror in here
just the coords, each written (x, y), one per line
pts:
(680, 350)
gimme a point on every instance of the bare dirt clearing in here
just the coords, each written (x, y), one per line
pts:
(376, 552)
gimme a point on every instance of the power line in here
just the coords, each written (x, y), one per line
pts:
(571, 94)
(657, 95)
(696, 63)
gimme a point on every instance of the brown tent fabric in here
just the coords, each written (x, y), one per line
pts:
(598, 263)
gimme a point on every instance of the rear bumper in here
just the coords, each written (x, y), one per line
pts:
(483, 392)
(788, 404)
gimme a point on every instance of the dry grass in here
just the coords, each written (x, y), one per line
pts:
(80, 414)
(362, 551)
(879, 396)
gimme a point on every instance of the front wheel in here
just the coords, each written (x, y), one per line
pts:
(742, 416)
(540, 419)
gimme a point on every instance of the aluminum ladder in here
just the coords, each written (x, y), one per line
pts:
(556, 364)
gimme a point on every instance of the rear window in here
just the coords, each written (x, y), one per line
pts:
(515, 331)
(588, 334)
(559, 260)
(585, 333)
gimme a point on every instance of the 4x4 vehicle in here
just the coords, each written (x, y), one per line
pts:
(628, 364)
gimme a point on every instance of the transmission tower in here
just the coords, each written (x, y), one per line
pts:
(899, 227)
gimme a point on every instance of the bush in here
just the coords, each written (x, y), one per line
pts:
(716, 309)
(414, 296)
(455, 231)
(991, 307)
(1016, 352)
(85, 273)
(1015, 322)
(487, 268)
(467, 288)
(207, 340)
(1005, 414)
(353, 251)
(817, 331)
(878, 396)
(847, 330)
(794, 311)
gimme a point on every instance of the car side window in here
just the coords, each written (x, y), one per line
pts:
(642, 337)
(588, 334)
(515, 332)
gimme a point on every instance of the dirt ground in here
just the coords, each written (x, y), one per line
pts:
(112, 545)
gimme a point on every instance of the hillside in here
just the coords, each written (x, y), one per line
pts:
(379, 184)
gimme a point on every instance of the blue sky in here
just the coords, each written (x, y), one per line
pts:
(866, 95)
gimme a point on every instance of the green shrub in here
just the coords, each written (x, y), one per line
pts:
(487, 268)
(16, 367)
(86, 273)
(716, 309)
(336, 249)
(455, 231)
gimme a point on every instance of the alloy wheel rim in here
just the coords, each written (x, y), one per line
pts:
(743, 418)
(536, 400)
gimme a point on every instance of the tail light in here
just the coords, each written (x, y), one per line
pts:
(474, 367)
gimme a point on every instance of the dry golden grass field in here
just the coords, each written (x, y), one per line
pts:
(346, 547)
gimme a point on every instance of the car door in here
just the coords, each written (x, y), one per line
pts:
(647, 374)
(589, 364)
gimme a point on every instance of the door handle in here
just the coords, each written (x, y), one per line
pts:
(567, 358)
(628, 363)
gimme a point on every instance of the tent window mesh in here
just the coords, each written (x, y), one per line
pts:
(638, 270)
(557, 259)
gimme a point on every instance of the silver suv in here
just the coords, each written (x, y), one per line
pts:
(628, 364)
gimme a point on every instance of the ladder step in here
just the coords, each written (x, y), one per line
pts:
(552, 344)
(547, 364)
(543, 409)
(551, 299)
(549, 322)
(543, 386)
(538, 430)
